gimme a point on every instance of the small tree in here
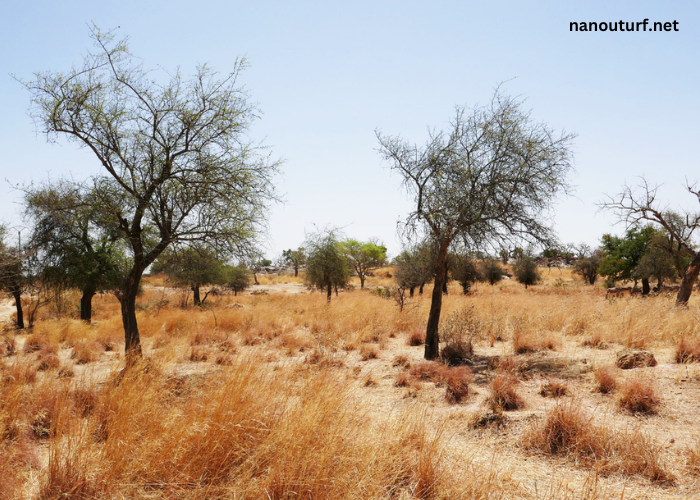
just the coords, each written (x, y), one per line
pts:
(326, 266)
(635, 206)
(466, 271)
(238, 278)
(12, 275)
(363, 257)
(525, 270)
(194, 267)
(178, 167)
(488, 180)
(295, 258)
(74, 250)
(623, 254)
(587, 264)
(415, 267)
(491, 271)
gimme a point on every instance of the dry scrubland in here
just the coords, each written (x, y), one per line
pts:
(281, 396)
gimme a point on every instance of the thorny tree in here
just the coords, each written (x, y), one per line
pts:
(489, 180)
(634, 206)
(178, 165)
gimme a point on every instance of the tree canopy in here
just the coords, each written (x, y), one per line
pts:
(178, 167)
(363, 257)
(490, 179)
(326, 266)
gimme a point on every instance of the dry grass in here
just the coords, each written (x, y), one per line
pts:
(639, 395)
(567, 431)
(553, 389)
(271, 399)
(502, 393)
(688, 350)
(606, 379)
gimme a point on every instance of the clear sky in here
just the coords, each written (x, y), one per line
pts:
(327, 74)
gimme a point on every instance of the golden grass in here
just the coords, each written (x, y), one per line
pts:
(568, 431)
(271, 398)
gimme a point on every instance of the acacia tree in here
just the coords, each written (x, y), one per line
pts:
(295, 258)
(489, 179)
(326, 266)
(363, 257)
(193, 266)
(634, 206)
(74, 250)
(587, 264)
(178, 167)
(526, 272)
(415, 267)
(12, 275)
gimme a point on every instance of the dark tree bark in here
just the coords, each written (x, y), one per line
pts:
(329, 292)
(362, 280)
(691, 274)
(17, 294)
(127, 299)
(195, 295)
(432, 339)
(645, 286)
(296, 271)
(86, 304)
(420, 289)
(411, 291)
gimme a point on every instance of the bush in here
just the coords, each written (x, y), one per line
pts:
(457, 384)
(567, 431)
(416, 338)
(502, 394)
(525, 270)
(687, 351)
(457, 332)
(606, 378)
(553, 389)
(639, 396)
(491, 271)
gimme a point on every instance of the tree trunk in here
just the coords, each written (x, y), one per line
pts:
(411, 291)
(432, 339)
(17, 294)
(296, 271)
(362, 280)
(336, 290)
(86, 304)
(195, 295)
(691, 274)
(329, 293)
(444, 285)
(645, 286)
(420, 289)
(132, 340)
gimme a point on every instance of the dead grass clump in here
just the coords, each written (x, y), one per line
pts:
(430, 371)
(553, 389)
(594, 340)
(502, 393)
(403, 379)
(457, 384)
(401, 360)
(225, 360)
(692, 458)
(18, 373)
(198, 354)
(86, 351)
(36, 343)
(567, 431)
(416, 338)
(534, 341)
(108, 340)
(479, 420)
(639, 395)
(688, 351)
(368, 352)
(65, 371)
(8, 346)
(48, 362)
(606, 379)
(457, 331)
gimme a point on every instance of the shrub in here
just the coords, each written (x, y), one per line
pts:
(567, 431)
(687, 351)
(457, 384)
(525, 270)
(606, 379)
(502, 394)
(457, 332)
(416, 338)
(638, 395)
(553, 389)
(86, 352)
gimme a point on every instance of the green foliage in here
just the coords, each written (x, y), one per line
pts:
(238, 278)
(587, 266)
(295, 258)
(363, 257)
(623, 254)
(466, 271)
(526, 272)
(415, 266)
(491, 271)
(326, 265)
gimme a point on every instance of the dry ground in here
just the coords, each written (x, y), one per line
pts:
(275, 394)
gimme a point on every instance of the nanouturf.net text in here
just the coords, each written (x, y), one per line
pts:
(645, 25)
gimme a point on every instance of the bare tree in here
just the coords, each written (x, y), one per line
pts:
(489, 180)
(178, 165)
(632, 206)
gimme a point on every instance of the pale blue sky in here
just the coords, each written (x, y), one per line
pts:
(326, 75)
